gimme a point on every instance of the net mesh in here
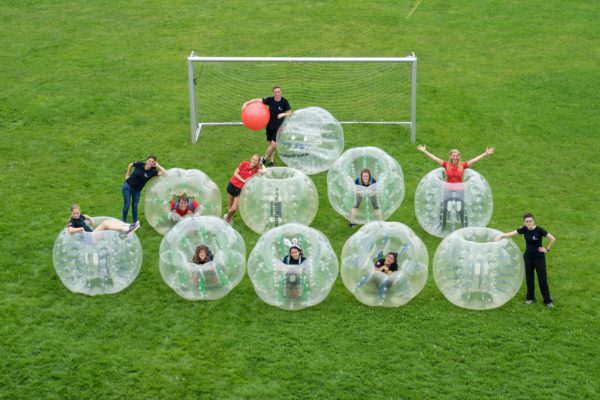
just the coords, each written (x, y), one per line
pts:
(351, 91)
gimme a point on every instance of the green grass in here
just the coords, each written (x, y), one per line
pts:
(88, 87)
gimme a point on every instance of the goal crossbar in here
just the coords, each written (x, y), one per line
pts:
(196, 126)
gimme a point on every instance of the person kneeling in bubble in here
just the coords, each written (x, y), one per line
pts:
(203, 256)
(77, 223)
(362, 189)
(293, 277)
(183, 206)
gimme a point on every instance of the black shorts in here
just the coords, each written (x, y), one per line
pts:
(271, 134)
(232, 190)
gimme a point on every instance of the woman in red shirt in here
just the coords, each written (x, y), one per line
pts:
(454, 168)
(244, 171)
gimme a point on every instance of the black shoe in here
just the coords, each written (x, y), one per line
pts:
(351, 225)
(262, 160)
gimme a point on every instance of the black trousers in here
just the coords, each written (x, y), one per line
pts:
(536, 265)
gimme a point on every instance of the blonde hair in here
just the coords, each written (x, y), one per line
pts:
(460, 167)
(74, 207)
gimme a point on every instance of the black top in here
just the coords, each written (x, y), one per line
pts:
(276, 108)
(533, 240)
(79, 223)
(140, 176)
(289, 260)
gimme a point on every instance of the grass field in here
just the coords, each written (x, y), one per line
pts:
(87, 87)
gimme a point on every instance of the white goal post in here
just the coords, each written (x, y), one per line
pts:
(356, 90)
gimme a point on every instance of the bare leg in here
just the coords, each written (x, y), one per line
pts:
(233, 205)
(353, 214)
(108, 225)
(270, 153)
(378, 214)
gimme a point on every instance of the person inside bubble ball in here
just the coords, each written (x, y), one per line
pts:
(137, 175)
(202, 255)
(182, 206)
(387, 265)
(244, 171)
(534, 257)
(279, 108)
(454, 168)
(78, 223)
(293, 280)
(365, 180)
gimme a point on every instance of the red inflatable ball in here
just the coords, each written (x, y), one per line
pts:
(255, 116)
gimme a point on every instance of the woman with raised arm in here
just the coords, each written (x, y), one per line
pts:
(454, 168)
(244, 171)
(137, 175)
(534, 257)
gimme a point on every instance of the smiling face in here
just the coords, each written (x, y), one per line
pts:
(75, 213)
(150, 162)
(389, 260)
(254, 161)
(529, 222)
(295, 253)
(277, 93)
(454, 156)
(366, 178)
(183, 204)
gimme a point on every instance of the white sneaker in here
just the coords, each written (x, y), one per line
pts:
(528, 301)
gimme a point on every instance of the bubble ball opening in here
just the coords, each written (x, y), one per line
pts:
(256, 116)
(281, 195)
(160, 192)
(292, 286)
(212, 280)
(374, 241)
(96, 263)
(375, 202)
(311, 139)
(443, 207)
(474, 271)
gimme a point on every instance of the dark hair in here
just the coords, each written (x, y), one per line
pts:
(152, 156)
(276, 87)
(394, 254)
(528, 215)
(368, 171)
(196, 259)
(297, 248)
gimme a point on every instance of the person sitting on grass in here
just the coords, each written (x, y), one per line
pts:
(182, 206)
(77, 223)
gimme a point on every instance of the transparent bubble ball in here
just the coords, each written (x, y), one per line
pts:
(386, 194)
(214, 279)
(440, 208)
(372, 242)
(163, 189)
(473, 271)
(292, 287)
(93, 263)
(279, 196)
(311, 139)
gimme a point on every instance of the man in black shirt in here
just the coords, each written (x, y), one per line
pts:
(279, 108)
(534, 257)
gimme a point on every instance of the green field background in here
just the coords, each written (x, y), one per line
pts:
(87, 87)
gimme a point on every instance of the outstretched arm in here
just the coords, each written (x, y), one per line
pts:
(259, 100)
(487, 152)
(506, 235)
(422, 148)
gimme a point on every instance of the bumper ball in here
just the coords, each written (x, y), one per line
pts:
(443, 207)
(286, 285)
(96, 263)
(360, 204)
(213, 279)
(281, 195)
(164, 190)
(473, 271)
(373, 242)
(311, 139)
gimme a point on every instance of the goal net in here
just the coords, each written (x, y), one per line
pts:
(353, 90)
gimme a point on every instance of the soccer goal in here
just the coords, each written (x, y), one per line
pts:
(355, 90)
